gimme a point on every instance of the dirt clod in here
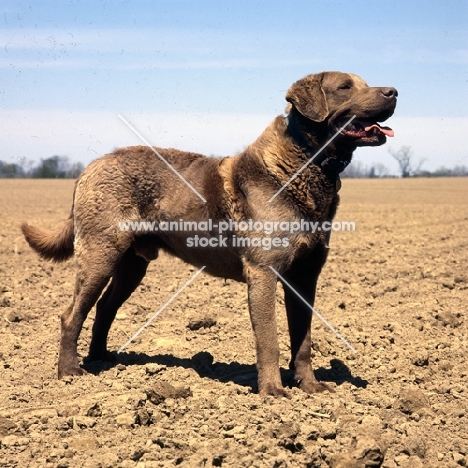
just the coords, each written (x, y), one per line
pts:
(411, 401)
(206, 322)
(161, 390)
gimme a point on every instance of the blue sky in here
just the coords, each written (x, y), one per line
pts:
(209, 76)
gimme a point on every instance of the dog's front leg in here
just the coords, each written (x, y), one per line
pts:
(299, 322)
(299, 296)
(262, 295)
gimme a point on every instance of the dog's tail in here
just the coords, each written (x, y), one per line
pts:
(52, 245)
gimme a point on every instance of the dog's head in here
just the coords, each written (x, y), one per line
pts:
(332, 98)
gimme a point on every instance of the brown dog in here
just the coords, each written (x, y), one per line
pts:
(135, 184)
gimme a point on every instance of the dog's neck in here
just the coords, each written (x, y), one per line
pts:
(323, 156)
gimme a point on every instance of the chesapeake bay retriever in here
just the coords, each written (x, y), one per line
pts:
(270, 181)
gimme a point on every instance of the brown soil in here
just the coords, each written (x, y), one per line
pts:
(184, 393)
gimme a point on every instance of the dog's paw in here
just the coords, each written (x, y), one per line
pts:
(275, 391)
(315, 387)
(105, 356)
(69, 371)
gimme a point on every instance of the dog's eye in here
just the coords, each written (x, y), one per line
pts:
(345, 86)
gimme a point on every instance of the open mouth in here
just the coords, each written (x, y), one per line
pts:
(366, 129)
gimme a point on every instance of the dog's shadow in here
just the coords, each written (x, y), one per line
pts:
(240, 374)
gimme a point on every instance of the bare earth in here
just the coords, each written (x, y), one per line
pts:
(184, 393)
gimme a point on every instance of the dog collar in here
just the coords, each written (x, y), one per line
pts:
(330, 166)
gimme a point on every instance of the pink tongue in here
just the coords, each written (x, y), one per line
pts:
(385, 130)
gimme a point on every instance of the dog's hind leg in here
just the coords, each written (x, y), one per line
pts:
(95, 266)
(127, 276)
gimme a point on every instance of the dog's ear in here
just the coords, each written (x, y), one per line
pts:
(308, 97)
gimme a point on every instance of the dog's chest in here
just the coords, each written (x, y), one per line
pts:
(313, 199)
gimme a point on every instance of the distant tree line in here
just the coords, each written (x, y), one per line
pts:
(55, 167)
(407, 165)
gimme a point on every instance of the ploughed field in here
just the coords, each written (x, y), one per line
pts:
(184, 392)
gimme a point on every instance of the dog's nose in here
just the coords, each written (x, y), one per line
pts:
(389, 92)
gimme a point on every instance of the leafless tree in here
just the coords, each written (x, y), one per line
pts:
(405, 158)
